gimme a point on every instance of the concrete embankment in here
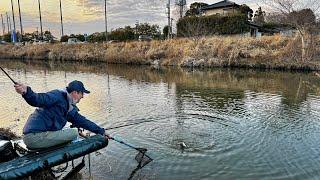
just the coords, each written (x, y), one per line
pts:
(272, 52)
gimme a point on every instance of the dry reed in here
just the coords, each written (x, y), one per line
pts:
(265, 52)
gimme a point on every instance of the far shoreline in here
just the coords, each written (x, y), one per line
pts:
(270, 52)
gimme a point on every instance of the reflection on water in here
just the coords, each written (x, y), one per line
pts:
(235, 123)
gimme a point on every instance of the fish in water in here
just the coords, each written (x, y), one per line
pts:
(182, 145)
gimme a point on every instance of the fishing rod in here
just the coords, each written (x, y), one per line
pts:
(128, 125)
(14, 82)
(153, 120)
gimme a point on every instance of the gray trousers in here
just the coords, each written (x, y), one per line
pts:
(50, 138)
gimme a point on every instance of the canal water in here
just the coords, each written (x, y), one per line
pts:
(236, 124)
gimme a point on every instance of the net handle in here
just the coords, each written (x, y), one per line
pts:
(142, 150)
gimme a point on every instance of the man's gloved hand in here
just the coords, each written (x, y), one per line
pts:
(20, 88)
(107, 136)
(82, 133)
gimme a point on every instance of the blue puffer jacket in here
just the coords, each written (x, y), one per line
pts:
(52, 113)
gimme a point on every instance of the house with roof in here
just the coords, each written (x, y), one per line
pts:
(224, 7)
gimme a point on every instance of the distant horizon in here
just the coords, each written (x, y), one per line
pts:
(87, 16)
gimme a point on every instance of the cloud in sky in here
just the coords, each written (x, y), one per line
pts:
(87, 16)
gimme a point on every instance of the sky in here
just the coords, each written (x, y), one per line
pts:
(87, 16)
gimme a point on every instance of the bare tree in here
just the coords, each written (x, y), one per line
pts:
(300, 14)
(259, 16)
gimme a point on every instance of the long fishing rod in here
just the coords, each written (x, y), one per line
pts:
(14, 82)
(158, 118)
(129, 124)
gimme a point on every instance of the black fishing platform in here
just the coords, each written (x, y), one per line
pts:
(36, 161)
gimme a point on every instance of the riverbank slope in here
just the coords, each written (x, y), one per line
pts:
(270, 52)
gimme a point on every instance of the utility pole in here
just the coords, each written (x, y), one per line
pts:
(21, 28)
(171, 20)
(105, 19)
(8, 22)
(137, 24)
(181, 4)
(14, 24)
(61, 19)
(3, 26)
(40, 21)
(169, 24)
(10, 25)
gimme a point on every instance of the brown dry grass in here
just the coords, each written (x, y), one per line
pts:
(266, 52)
(7, 134)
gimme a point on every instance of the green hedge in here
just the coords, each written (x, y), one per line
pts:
(210, 25)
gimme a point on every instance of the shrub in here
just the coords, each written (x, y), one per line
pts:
(211, 25)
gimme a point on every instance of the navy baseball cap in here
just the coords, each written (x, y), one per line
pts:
(77, 86)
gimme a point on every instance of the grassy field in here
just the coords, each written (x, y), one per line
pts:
(271, 52)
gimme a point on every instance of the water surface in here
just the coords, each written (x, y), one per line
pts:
(237, 124)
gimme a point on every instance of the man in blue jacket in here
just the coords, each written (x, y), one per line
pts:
(44, 127)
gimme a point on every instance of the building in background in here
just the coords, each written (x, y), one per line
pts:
(224, 7)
